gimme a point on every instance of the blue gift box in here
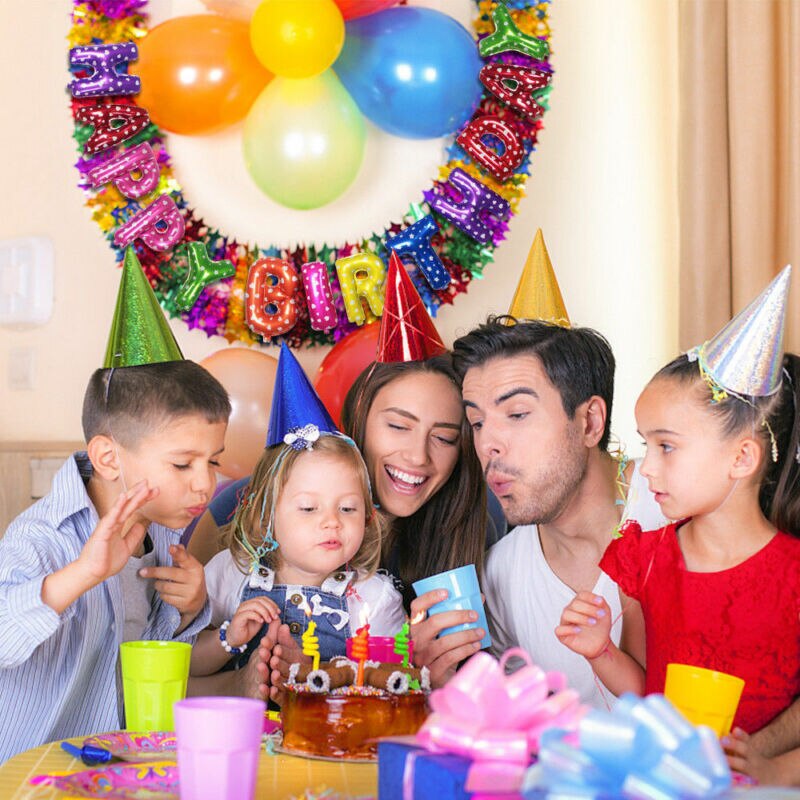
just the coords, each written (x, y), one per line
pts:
(436, 775)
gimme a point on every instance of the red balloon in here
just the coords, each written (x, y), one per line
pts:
(360, 8)
(345, 362)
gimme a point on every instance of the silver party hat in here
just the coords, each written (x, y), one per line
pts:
(746, 356)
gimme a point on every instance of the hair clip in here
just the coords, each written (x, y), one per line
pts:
(302, 438)
(797, 454)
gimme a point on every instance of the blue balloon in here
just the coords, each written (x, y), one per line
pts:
(412, 71)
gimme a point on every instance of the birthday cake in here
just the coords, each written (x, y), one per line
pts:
(326, 714)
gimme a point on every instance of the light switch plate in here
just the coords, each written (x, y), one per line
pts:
(21, 368)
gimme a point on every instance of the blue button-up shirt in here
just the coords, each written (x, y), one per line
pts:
(58, 673)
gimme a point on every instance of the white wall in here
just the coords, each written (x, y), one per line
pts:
(603, 189)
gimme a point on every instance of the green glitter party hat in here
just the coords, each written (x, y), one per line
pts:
(140, 334)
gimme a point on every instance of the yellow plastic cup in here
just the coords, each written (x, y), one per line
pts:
(154, 676)
(704, 696)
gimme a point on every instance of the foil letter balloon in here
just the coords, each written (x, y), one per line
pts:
(361, 275)
(415, 241)
(496, 77)
(507, 36)
(202, 272)
(121, 169)
(113, 124)
(102, 60)
(463, 199)
(160, 226)
(321, 310)
(270, 300)
(500, 162)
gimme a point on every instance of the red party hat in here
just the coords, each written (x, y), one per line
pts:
(407, 332)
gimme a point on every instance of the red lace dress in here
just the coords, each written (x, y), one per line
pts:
(744, 621)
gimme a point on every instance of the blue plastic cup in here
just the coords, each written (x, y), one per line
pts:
(464, 594)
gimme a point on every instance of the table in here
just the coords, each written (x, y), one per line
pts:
(280, 777)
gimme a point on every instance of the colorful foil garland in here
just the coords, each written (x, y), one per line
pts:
(220, 307)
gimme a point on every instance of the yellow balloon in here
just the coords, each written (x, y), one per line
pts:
(297, 39)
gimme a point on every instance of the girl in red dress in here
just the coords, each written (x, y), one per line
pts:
(719, 588)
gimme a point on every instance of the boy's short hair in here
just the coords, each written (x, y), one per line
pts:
(129, 403)
(577, 361)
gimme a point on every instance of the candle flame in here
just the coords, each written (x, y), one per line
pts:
(363, 615)
(304, 606)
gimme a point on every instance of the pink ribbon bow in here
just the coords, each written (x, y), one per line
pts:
(496, 719)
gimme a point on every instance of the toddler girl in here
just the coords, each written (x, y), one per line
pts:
(720, 588)
(304, 545)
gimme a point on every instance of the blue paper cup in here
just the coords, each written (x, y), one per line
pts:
(463, 595)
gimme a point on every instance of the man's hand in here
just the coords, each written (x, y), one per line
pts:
(783, 770)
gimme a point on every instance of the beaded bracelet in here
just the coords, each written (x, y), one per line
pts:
(223, 639)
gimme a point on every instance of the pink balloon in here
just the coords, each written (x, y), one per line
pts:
(351, 9)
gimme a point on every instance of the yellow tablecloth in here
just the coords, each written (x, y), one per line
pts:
(279, 777)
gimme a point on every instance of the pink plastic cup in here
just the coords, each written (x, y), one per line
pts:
(219, 741)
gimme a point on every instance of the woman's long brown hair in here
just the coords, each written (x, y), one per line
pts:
(450, 529)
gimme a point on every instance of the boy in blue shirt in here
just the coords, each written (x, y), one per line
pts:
(97, 561)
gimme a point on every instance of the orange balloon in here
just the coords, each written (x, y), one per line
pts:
(345, 362)
(249, 378)
(199, 73)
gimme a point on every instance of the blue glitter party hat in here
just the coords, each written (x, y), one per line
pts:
(298, 415)
(746, 356)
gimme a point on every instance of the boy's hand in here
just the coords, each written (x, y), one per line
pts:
(183, 585)
(249, 618)
(586, 625)
(114, 541)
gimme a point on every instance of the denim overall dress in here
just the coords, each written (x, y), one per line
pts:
(328, 604)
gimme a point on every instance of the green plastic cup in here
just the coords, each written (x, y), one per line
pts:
(154, 676)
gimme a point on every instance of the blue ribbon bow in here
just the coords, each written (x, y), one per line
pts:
(642, 748)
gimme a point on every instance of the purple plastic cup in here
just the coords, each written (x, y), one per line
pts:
(219, 741)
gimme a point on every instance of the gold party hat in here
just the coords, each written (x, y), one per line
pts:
(140, 334)
(538, 295)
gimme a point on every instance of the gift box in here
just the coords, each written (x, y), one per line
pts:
(407, 771)
(481, 737)
(439, 775)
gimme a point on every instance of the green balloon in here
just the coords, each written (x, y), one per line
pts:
(304, 140)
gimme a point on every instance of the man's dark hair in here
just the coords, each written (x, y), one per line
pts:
(129, 403)
(578, 361)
